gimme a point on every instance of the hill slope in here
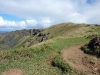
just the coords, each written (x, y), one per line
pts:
(27, 38)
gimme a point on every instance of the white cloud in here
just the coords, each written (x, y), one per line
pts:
(51, 11)
(45, 22)
(29, 23)
(21, 24)
(11, 24)
(7, 23)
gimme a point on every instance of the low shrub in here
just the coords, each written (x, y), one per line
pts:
(93, 47)
(91, 51)
(85, 49)
(2, 42)
(60, 63)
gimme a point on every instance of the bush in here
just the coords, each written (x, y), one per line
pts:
(2, 42)
(85, 49)
(91, 51)
(60, 63)
(93, 47)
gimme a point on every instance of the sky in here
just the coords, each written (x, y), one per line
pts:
(27, 14)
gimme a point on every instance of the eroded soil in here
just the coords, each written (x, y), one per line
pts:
(13, 72)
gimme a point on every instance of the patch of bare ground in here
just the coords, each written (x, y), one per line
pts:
(13, 72)
(90, 65)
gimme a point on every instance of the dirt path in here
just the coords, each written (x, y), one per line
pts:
(13, 72)
(90, 65)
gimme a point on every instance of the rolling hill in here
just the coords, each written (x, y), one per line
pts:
(40, 51)
(27, 38)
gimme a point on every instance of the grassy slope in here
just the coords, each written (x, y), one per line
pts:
(97, 29)
(71, 30)
(59, 30)
(22, 41)
(68, 30)
(31, 60)
(2, 45)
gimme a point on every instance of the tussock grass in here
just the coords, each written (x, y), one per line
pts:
(61, 64)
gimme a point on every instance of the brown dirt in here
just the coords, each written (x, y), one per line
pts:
(13, 72)
(90, 65)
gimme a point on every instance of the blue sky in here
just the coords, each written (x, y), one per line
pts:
(91, 1)
(11, 17)
(26, 14)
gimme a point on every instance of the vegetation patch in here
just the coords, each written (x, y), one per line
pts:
(18, 53)
(64, 66)
(93, 47)
(2, 42)
(60, 63)
(31, 59)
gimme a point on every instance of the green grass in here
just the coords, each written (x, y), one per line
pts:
(61, 64)
(2, 42)
(31, 59)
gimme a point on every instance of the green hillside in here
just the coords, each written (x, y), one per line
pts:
(28, 51)
(27, 38)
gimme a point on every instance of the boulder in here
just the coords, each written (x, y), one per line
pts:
(94, 43)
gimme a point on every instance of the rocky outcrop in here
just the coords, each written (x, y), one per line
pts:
(93, 47)
(24, 37)
(94, 43)
(34, 32)
(43, 38)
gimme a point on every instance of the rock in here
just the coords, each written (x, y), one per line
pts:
(48, 33)
(43, 38)
(92, 62)
(94, 72)
(95, 69)
(94, 46)
(34, 31)
(41, 34)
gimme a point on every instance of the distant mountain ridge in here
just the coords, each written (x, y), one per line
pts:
(1, 32)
